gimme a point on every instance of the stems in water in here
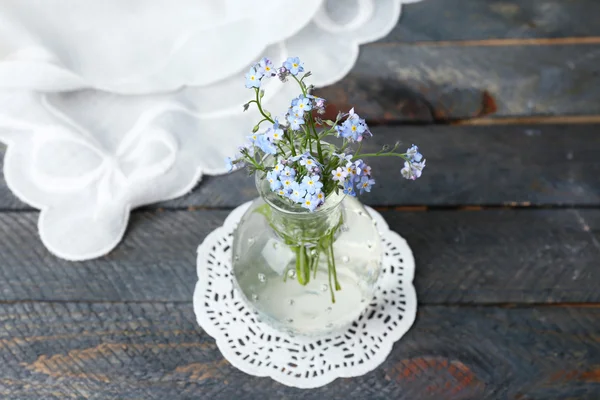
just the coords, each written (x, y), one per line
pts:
(299, 266)
(337, 284)
(330, 273)
(306, 265)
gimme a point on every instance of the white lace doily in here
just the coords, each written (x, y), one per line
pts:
(85, 151)
(257, 349)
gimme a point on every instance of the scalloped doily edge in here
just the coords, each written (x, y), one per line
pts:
(229, 354)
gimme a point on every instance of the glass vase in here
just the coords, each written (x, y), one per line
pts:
(307, 273)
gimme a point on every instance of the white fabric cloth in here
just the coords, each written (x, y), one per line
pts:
(106, 106)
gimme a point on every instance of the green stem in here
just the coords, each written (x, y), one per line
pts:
(344, 146)
(301, 85)
(314, 129)
(285, 274)
(299, 272)
(289, 137)
(261, 121)
(329, 273)
(255, 164)
(324, 134)
(260, 107)
(280, 148)
(316, 261)
(330, 130)
(358, 149)
(306, 266)
(403, 156)
(312, 125)
(337, 284)
(307, 134)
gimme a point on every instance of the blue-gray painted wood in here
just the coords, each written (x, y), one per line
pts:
(463, 257)
(157, 351)
(480, 165)
(458, 20)
(394, 82)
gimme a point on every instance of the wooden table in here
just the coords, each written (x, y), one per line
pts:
(502, 97)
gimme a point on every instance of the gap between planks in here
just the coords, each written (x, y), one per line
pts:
(513, 205)
(525, 205)
(419, 207)
(506, 305)
(541, 120)
(497, 42)
(492, 120)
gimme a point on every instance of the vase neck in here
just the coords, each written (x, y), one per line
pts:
(297, 224)
(305, 228)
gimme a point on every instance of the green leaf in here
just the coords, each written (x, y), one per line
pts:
(329, 122)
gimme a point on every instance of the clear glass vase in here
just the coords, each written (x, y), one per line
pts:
(307, 273)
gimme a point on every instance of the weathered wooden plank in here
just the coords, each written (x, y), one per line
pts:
(157, 351)
(492, 256)
(481, 165)
(443, 20)
(396, 82)
(452, 152)
(540, 165)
